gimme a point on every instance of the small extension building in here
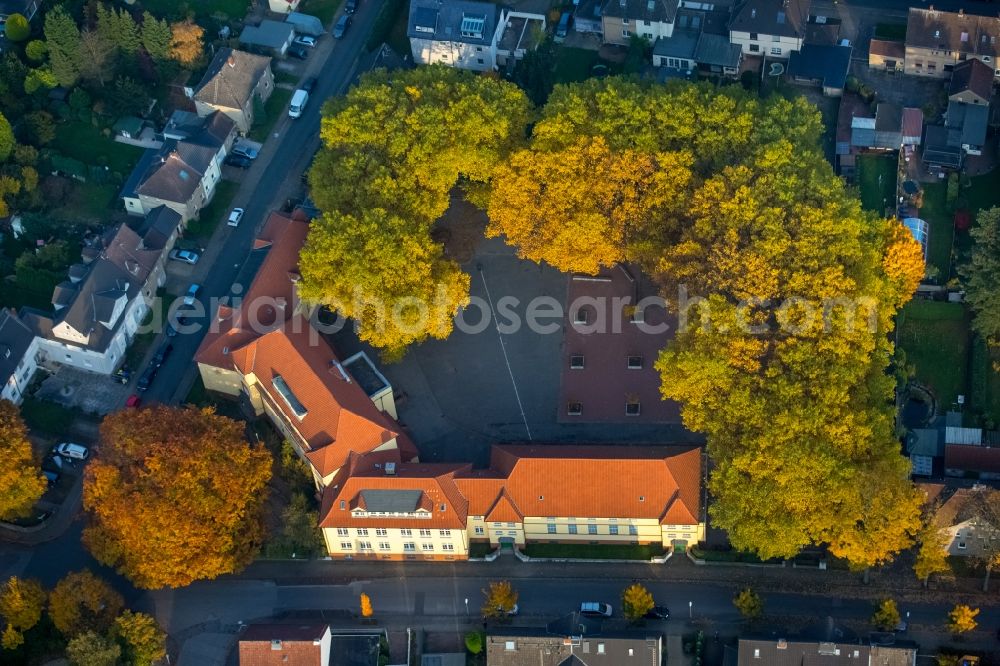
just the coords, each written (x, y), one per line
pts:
(233, 80)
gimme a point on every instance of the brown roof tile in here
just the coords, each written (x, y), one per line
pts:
(887, 49)
(282, 645)
(973, 458)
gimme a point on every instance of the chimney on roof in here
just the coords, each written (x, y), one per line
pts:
(231, 61)
(335, 365)
(753, 13)
(961, 12)
(782, 644)
(390, 469)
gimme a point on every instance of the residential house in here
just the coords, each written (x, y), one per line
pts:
(700, 42)
(457, 33)
(232, 83)
(924, 446)
(183, 173)
(937, 41)
(283, 6)
(972, 460)
(587, 17)
(99, 308)
(783, 652)
(18, 349)
(377, 508)
(263, 348)
(285, 645)
(966, 119)
(957, 517)
(769, 28)
(649, 19)
(26, 8)
(273, 37)
(517, 646)
(886, 55)
(822, 65)
(521, 33)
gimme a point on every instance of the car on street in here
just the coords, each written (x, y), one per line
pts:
(185, 256)
(71, 450)
(133, 401)
(244, 150)
(297, 52)
(239, 161)
(147, 378)
(595, 609)
(306, 40)
(309, 84)
(343, 23)
(51, 477)
(658, 613)
(192, 294)
(351, 6)
(162, 354)
(234, 218)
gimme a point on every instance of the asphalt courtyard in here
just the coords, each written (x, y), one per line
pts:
(458, 396)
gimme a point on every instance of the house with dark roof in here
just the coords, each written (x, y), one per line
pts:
(18, 351)
(517, 646)
(379, 508)
(233, 80)
(272, 37)
(980, 461)
(886, 55)
(821, 65)
(769, 28)
(26, 8)
(786, 652)
(966, 118)
(650, 19)
(700, 42)
(938, 41)
(285, 645)
(183, 173)
(99, 307)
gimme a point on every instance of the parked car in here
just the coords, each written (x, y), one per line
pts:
(239, 161)
(595, 609)
(71, 450)
(51, 477)
(162, 354)
(297, 52)
(343, 23)
(309, 84)
(658, 613)
(563, 28)
(133, 401)
(192, 294)
(351, 6)
(147, 378)
(243, 150)
(234, 219)
(306, 40)
(185, 256)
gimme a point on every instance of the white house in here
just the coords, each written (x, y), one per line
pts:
(769, 28)
(18, 349)
(649, 19)
(457, 33)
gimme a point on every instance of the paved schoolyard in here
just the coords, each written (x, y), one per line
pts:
(458, 395)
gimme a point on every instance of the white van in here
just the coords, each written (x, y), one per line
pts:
(299, 100)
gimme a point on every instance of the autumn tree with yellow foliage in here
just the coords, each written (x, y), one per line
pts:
(82, 602)
(185, 468)
(962, 619)
(21, 480)
(21, 604)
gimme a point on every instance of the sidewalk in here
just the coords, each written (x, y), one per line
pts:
(54, 526)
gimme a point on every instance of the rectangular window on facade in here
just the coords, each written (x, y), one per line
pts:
(448, 546)
(576, 362)
(552, 528)
(633, 530)
(626, 33)
(632, 408)
(591, 529)
(511, 524)
(574, 409)
(613, 529)
(362, 532)
(480, 61)
(381, 532)
(479, 48)
(365, 545)
(444, 533)
(342, 531)
(753, 36)
(409, 547)
(346, 545)
(754, 48)
(425, 533)
(406, 532)
(383, 545)
(634, 362)
(427, 546)
(479, 530)
(572, 529)
(776, 51)
(624, 21)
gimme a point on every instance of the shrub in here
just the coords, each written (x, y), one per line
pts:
(18, 29)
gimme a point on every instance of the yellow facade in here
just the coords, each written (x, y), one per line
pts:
(393, 543)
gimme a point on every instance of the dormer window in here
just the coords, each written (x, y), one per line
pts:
(472, 26)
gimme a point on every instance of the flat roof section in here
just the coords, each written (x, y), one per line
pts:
(607, 372)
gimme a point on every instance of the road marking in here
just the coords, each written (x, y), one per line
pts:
(503, 348)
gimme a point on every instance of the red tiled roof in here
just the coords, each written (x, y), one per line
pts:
(973, 458)
(298, 645)
(339, 418)
(913, 122)
(504, 510)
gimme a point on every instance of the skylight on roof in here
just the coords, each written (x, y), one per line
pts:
(472, 26)
(781, 18)
(293, 403)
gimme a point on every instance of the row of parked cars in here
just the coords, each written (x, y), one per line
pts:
(600, 609)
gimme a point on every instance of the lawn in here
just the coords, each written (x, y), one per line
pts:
(172, 9)
(84, 142)
(574, 64)
(727, 556)
(275, 106)
(942, 229)
(935, 337)
(877, 181)
(586, 551)
(47, 417)
(324, 10)
(212, 214)
(892, 31)
(480, 549)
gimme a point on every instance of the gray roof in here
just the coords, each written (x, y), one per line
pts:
(231, 78)
(270, 34)
(925, 442)
(888, 117)
(969, 122)
(938, 150)
(972, 75)
(948, 31)
(795, 653)
(453, 21)
(656, 11)
(786, 18)
(535, 647)
(717, 50)
(391, 501)
(158, 226)
(15, 338)
(821, 62)
(682, 44)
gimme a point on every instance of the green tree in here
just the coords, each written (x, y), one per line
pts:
(636, 602)
(299, 532)
(62, 37)
(886, 616)
(142, 640)
(93, 649)
(21, 480)
(474, 642)
(749, 604)
(36, 50)
(535, 73)
(83, 602)
(17, 28)
(6, 138)
(40, 78)
(21, 604)
(155, 34)
(119, 28)
(501, 599)
(962, 619)
(41, 127)
(982, 275)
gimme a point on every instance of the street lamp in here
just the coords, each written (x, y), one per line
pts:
(467, 605)
(690, 610)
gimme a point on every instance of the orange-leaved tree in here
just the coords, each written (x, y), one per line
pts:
(83, 602)
(176, 495)
(21, 480)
